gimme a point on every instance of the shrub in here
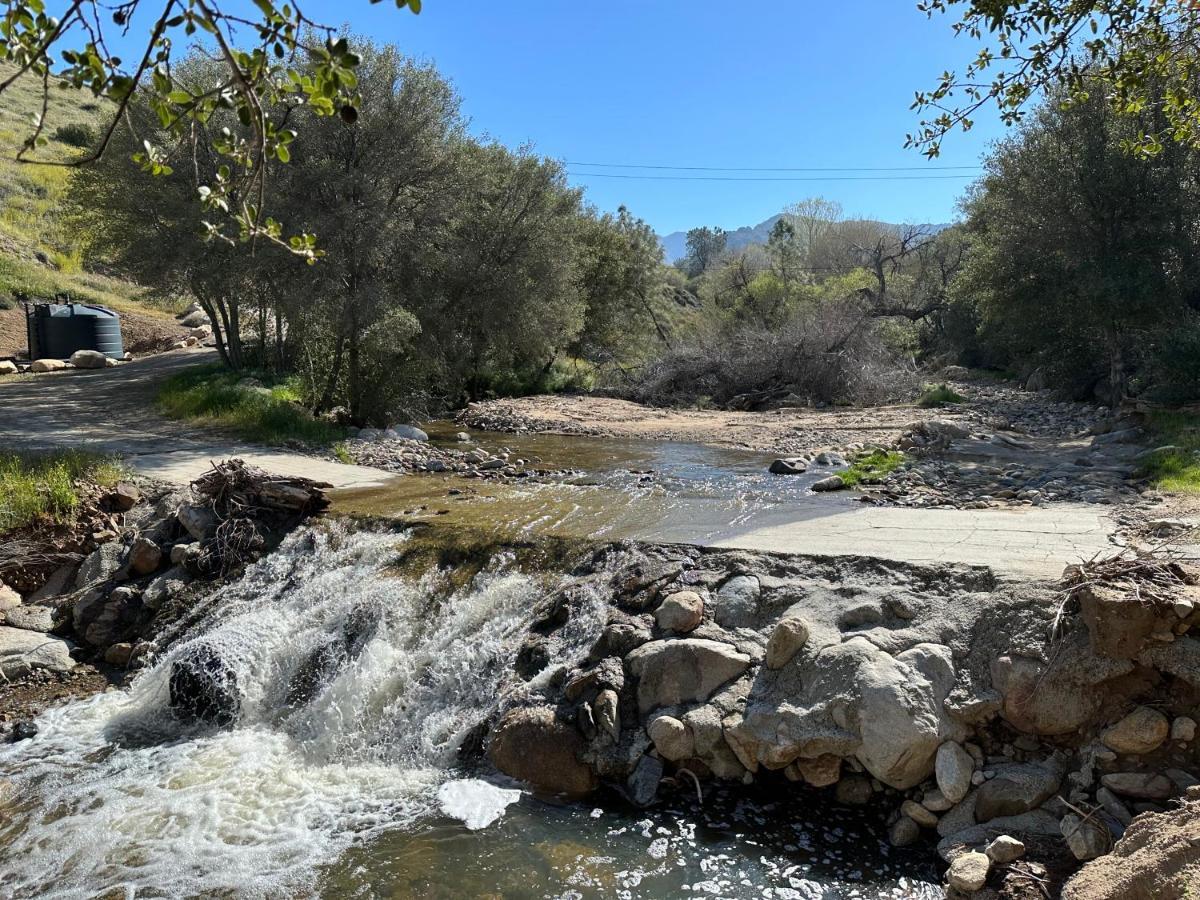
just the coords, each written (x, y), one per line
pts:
(1175, 370)
(936, 395)
(826, 354)
(76, 134)
(261, 411)
(34, 486)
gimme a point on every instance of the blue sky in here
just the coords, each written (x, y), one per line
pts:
(792, 83)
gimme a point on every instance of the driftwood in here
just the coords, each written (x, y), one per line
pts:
(249, 505)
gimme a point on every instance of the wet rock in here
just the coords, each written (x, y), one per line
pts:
(203, 687)
(1139, 785)
(642, 785)
(1142, 731)
(1086, 839)
(832, 483)
(531, 745)
(22, 652)
(953, 768)
(736, 602)
(969, 872)
(792, 466)
(145, 556)
(680, 612)
(684, 670)
(118, 654)
(672, 739)
(1005, 849)
(1016, 789)
(786, 640)
(606, 713)
(854, 790)
(904, 832)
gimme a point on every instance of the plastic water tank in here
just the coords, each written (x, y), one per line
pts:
(58, 330)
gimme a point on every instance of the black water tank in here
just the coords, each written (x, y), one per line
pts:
(58, 330)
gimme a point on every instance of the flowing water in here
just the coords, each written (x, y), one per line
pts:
(340, 777)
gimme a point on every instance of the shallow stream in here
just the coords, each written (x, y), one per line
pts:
(344, 779)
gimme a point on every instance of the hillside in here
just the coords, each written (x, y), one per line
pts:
(675, 244)
(41, 252)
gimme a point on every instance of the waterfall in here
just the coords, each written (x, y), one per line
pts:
(355, 687)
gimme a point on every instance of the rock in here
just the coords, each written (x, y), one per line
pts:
(736, 602)
(531, 745)
(47, 365)
(955, 373)
(854, 790)
(904, 832)
(22, 651)
(204, 687)
(106, 617)
(102, 564)
(1005, 849)
(194, 319)
(1113, 806)
(166, 586)
(198, 521)
(1086, 839)
(792, 466)
(606, 713)
(953, 768)
(820, 772)
(786, 640)
(672, 739)
(463, 438)
(642, 785)
(57, 584)
(8, 367)
(618, 639)
(829, 458)
(409, 432)
(942, 429)
(9, 599)
(936, 801)
(969, 872)
(1142, 731)
(608, 673)
(1123, 436)
(200, 333)
(31, 618)
(182, 553)
(1139, 785)
(832, 483)
(681, 612)
(683, 670)
(918, 814)
(88, 359)
(124, 496)
(144, 556)
(118, 654)
(1016, 789)
(1183, 729)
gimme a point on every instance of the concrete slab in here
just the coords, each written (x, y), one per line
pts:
(1031, 542)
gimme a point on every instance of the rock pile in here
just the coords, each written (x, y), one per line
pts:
(976, 711)
(390, 450)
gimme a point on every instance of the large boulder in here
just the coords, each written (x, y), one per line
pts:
(104, 617)
(684, 670)
(407, 432)
(88, 359)
(203, 686)
(101, 564)
(23, 651)
(736, 602)
(530, 744)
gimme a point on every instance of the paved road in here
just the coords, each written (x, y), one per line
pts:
(112, 411)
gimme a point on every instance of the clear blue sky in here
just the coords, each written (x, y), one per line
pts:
(790, 83)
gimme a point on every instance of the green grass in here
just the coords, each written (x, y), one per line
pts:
(47, 485)
(872, 467)
(211, 396)
(1177, 469)
(936, 395)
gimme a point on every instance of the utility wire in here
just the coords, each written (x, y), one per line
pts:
(596, 165)
(767, 178)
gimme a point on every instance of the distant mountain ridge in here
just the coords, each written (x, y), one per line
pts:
(675, 244)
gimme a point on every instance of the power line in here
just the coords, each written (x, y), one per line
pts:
(772, 178)
(596, 165)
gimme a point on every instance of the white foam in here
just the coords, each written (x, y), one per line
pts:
(474, 802)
